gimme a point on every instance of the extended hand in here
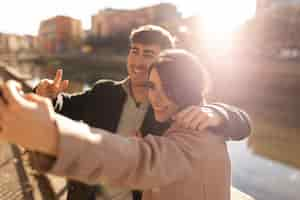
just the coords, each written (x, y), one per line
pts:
(51, 88)
(27, 120)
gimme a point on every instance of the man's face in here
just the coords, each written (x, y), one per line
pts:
(140, 57)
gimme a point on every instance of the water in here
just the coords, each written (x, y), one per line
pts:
(262, 178)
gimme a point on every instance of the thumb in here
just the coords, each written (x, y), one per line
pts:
(12, 92)
(58, 78)
(40, 102)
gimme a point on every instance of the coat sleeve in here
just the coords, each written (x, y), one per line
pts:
(137, 163)
(72, 106)
(237, 125)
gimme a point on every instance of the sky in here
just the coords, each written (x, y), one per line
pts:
(23, 17)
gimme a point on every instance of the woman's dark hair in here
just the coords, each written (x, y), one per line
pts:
(184, 79)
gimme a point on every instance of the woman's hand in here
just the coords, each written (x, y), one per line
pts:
(27, 119)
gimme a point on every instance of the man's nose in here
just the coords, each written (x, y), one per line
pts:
(140, 61)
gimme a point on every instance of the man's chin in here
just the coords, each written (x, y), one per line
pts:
(160, 118)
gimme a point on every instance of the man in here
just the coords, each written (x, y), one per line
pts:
(123, 106)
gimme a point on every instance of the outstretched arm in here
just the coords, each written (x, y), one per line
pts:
(133, 162)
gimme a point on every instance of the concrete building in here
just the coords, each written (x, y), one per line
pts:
(32, 41)
(108, 22)
(12, 43)
(261, 5)
(60, 34)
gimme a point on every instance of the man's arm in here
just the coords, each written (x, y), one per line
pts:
(226, 120)
(236, 123)
(70, 105)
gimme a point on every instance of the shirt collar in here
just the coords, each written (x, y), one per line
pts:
(127, 89)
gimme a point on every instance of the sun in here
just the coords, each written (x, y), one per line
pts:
(220, 18)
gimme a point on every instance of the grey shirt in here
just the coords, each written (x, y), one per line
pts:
(131, 120)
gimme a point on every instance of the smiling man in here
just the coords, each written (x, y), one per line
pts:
(123, 106)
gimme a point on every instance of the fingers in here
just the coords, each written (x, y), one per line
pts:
(179, 116)
(199, 122)
(196, 118)
(10, 92)
(1, 94)
(51, 88)
(43, 87)
(41, 102)
(202, 126)
(189, 116)
(58, 78)
(13, 94)
(64, 86)
(59, 84)
(203, 119)
(34, 98)
(2, 108)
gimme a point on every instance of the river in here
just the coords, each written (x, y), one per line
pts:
(261, 177)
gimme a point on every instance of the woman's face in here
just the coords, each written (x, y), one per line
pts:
(163, 107)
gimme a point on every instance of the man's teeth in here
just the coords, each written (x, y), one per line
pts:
(159, 108)
(138, 71)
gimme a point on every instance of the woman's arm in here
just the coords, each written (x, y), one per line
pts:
(95, 155)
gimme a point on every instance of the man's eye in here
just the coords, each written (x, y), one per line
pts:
(134, 51)
(148, 56)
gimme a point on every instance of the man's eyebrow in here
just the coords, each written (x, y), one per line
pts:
(134, 48)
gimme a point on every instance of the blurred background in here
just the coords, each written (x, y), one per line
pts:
(251, 48)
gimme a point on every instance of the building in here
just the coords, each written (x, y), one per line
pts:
(60, 34)
(109, 22)
(261, 5)
(32, 41)
(12, 43)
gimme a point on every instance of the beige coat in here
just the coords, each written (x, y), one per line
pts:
(178, 165)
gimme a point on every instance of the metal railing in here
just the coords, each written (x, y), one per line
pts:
(21, 187)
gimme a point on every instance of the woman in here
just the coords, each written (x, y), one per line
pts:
(180, 164)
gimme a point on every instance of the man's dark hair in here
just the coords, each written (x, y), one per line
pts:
(151, 34)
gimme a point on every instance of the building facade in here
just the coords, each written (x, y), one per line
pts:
(12, 43)
(261, 5)
(109, 22)
(60, 34)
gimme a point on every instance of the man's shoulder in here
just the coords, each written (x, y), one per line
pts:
(108, 84)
